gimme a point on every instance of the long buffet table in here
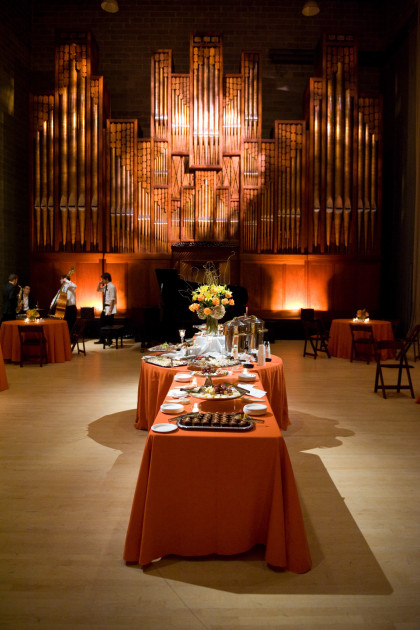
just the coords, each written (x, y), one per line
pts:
(155, 382)
(201, 492)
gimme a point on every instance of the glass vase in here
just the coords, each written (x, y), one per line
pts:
(212, 325)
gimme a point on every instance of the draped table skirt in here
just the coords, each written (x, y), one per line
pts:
(201, 493)
(155, 382)
(56, 332)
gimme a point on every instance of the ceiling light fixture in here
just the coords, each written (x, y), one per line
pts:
(310, 8)
(110, 6)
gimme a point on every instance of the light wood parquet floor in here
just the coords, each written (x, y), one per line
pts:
(69, 463)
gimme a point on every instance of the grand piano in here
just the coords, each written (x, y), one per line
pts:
(176, 298)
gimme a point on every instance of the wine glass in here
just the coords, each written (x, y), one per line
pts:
(182, 334)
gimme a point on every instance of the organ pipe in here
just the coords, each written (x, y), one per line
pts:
(206, 173)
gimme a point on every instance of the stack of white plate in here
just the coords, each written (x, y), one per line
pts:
(247, 376)
(183, 377)
(173, 408)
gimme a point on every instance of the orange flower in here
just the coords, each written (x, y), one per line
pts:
(231, 302)
(225, 301)
(215, 301)
(207, 311)
(200, 297)
(228, 294)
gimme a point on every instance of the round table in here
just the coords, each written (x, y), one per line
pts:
(155, 382)
(3, 378)
(340, 340)
(56, 332)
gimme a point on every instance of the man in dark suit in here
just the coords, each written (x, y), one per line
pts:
(10, 294)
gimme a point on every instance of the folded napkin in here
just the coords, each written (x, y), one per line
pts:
(253, 391)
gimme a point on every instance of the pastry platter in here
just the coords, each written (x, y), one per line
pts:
(224, 391)
(213, 362)
(166, 362)
(211, 371)
(220, 421)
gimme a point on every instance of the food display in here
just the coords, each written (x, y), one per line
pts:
(172, 347)
(166, 362)
(208, 370)
(224, 391)
(214, 362)
(220, 421)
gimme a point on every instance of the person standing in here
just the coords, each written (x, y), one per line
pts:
(109, 304)
(10, 295)
(69, 288)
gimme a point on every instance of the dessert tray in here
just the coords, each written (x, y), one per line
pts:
(165, 347)
(166, 362)
(209, 370)
(221, 362)
(224, 391)
(220, 421)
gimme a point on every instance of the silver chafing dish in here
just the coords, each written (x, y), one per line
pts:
(244, 331)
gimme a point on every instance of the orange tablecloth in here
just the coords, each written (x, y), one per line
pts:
(201, 493)
(155, 381)
(339, 343)
(3, 378)
(56, 332)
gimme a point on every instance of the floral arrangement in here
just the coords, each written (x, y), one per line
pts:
(210, 299)
(32, 313)
(362, 315)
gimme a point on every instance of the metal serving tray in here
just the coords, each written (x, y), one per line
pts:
(211, 417)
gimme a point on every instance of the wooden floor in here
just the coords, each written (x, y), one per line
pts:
(69, 463)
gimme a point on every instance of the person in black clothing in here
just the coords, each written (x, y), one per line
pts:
(10, 295)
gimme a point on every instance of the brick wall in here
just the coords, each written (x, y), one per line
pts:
(14, 118)
(127, 39)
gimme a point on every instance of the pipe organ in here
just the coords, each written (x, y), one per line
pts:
(205, 173)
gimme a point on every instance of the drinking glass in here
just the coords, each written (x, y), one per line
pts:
(182, 334)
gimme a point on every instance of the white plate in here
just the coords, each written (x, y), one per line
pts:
(255, 409)
(247, 376)
(171, 408)
(183, 377)
(177, 393)
(164, 427)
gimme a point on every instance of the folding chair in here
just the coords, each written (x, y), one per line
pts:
(413, 339)
(362, 342)
(400, 364)
(77, 336)
(32, 338)
(317, 338)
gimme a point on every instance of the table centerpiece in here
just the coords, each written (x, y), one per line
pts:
(210, 300)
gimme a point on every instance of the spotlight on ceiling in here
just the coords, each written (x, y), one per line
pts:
(110, 6)
(310, 8)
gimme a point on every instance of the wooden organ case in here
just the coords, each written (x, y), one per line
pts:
(301, 211)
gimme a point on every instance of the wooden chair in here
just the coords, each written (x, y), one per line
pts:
(362, 342)
(32, 338)
(307, 314)
(400, 364)
(413, 339)
(317, 338)
(77, 336)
